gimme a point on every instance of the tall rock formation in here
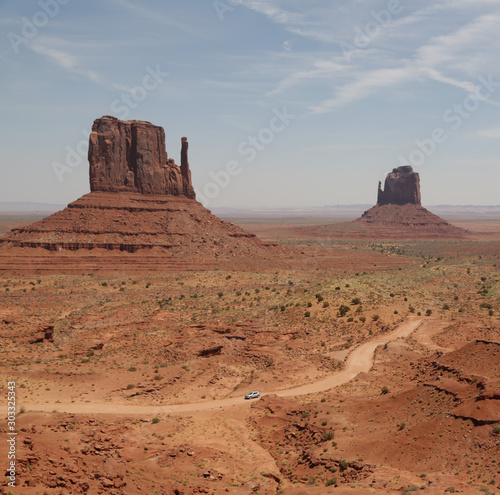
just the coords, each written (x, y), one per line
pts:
(140, 203)
(402, 186)
(131, 157)
(398, 214)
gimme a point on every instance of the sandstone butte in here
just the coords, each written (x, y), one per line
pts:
(141, 202)
(398, 214)
(399, 208)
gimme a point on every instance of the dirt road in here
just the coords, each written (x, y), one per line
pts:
(360, 360)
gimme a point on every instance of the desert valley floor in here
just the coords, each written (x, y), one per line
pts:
(378, 362)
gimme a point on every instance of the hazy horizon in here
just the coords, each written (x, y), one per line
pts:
(311, 104)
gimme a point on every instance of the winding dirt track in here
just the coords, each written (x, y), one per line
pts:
(359, 361)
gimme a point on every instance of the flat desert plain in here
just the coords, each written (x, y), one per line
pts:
(377, 361)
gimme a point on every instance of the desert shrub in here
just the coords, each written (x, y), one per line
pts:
(490, 312)
(326, 304)
(496, 430)
(384, 391)
(350, 319)
(450, 489)
(282, 308)
(309, 304)
(485, 305)
(337, 288)
(356, 300)
(132, 368)
(428, 312)
(344, 465)
(343, 310)
(327, 435)
(130, 386)
(155, 420)
(220, 294)
(446, 306)
(392, 294)
(375, 317)
(307, 314)
(331, 481)
(362, 319)
(411, 309)
(238, 292)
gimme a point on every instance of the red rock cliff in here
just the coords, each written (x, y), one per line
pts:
(130, 156)
(402, 186)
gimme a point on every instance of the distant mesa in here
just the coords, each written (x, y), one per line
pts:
(140, 202)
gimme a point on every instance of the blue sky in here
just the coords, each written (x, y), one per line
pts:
(285, 103)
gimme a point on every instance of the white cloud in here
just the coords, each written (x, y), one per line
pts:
(438, 53)
(71, 63)
(493, 133)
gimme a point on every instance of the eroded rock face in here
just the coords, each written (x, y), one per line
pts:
(130, 156)
(402, 186)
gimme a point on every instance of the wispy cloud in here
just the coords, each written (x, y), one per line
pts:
(429, 62)
(273, 12)
(154, 16)
(71, 63)
(493, 133)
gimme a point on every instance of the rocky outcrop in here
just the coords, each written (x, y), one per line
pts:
(130, 156)
(402, 186)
